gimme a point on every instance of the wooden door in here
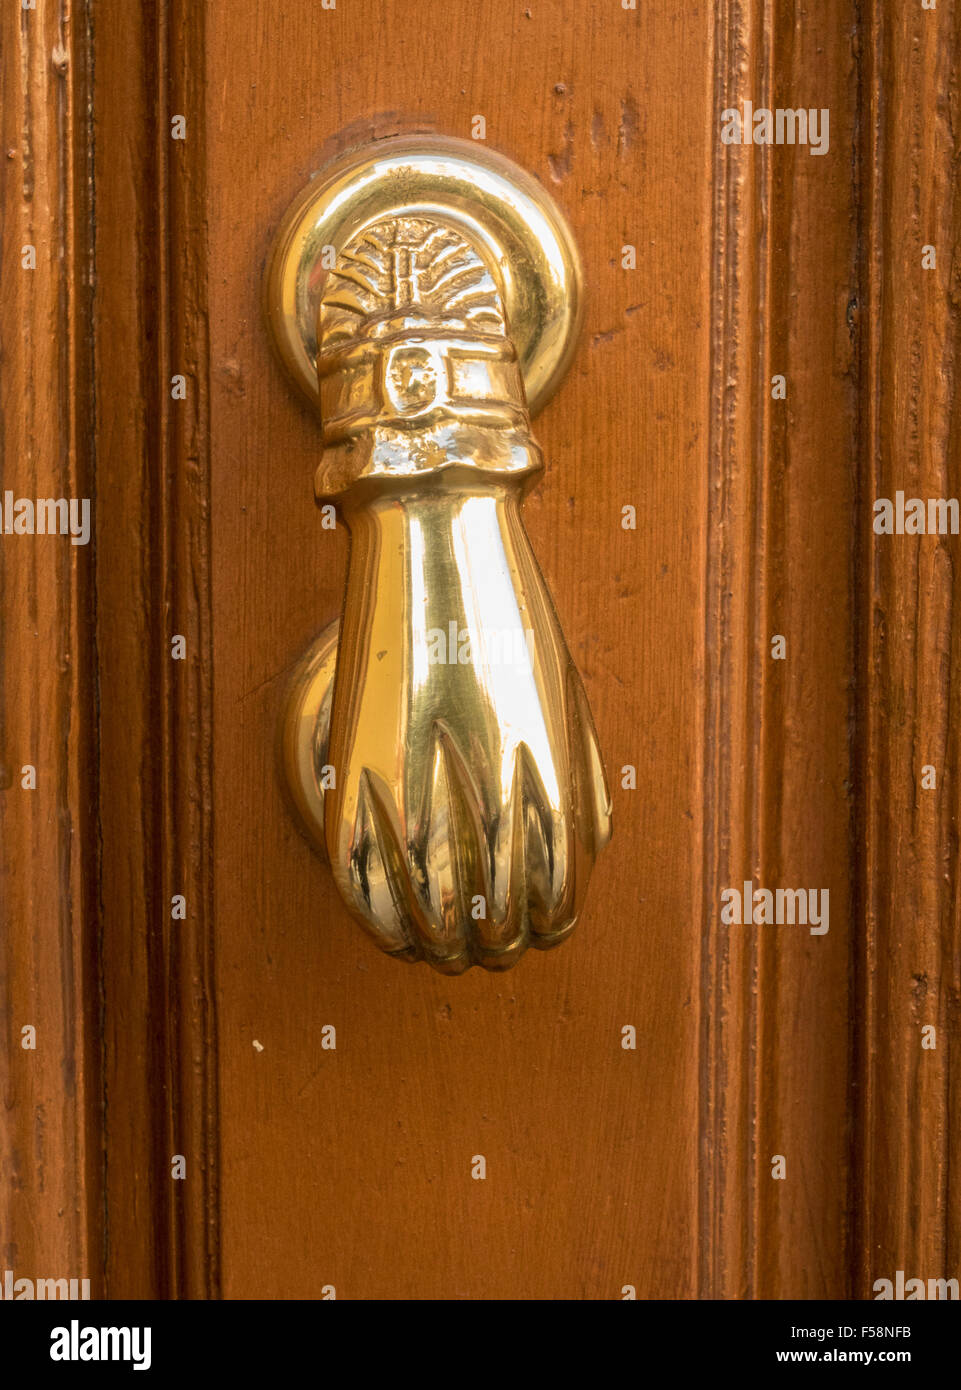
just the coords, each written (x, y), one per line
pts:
(769, 347)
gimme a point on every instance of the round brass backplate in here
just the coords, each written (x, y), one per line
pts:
(304, 733)
(512, 221)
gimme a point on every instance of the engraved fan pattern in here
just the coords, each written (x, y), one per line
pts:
(408, 271)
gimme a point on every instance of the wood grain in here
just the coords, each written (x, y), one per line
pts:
(153, 583)
(908, 1123)
(777, 784)
(49, 1143)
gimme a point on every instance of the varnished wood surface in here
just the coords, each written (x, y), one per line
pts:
(777, 787)
(49, 1094)
(157, 802)
(307, 1167)
(907, 1122)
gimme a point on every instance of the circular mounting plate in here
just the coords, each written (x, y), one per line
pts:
(304, 732)
(514, 223)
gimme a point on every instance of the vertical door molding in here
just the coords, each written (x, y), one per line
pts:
(50, 1144)
(153, 585)
(909, 958)
(774, 1061)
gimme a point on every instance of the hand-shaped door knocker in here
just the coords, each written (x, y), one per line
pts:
(437, 742)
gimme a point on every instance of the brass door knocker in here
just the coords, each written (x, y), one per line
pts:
(437, 742)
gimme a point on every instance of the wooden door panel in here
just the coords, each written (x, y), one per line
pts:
(527, 1069)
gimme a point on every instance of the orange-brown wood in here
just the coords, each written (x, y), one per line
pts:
(49, 1085)
(907, 1120)
(308, 1167)
(153, 584)
(777, 786)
